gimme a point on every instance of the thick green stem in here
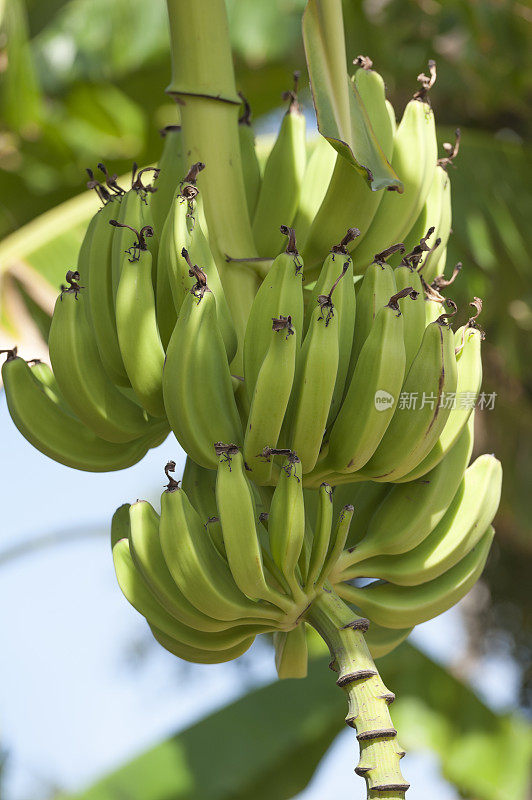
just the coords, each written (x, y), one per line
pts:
(367, 696)
(203, 85)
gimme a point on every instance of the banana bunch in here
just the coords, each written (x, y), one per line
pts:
(213, 570)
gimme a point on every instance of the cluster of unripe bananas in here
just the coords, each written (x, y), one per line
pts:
(329, 443)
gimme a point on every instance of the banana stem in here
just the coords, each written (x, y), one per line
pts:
(203, 84)
(367, 696)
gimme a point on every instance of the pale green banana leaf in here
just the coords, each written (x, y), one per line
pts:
(341, 115)
(267, 744)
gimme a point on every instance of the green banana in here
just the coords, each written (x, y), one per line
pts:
(316, 178)
(405, 606)
(322, 535)
(171, 168)
(101, 300)
(81, 375)
(197, 567)
(270, 399)
(139, 595)
(291, 652)
(197, 656)
(397, 213)
(413, 431)
(145, 546)
(250, 162)
(200, 487)
(337, 271)
(136, 324)
(373, 392)
(197, 387)
(413, 312)
(349, 201)
(281, 184)
(465, 521)
(286, 523)
(469, 378)
(236, 508)
(337, 543)
(280, 294)
(60, 435)
(435, 264)
(410, 511)
(382, 641)
(375, 290)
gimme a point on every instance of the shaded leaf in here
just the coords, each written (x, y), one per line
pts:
(342, 117)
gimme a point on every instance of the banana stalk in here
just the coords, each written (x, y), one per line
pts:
(367, 696)
(203, 85)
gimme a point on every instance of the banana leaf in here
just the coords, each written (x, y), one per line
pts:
(267, 744)
(341, 115)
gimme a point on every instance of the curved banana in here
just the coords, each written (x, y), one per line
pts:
(314, 186)
(281, 183)
(412, 308)
(413, 431)
(236, 509)
(81, 376)
(337, 271)
(145, 546)
(197, 656)
(314, 382)
(200, 487)
(434, 264)
(197, 387)
(373, 393)
(59, 434)
(405, 606)
(337, 543)
(286, 523)
(280, 294)
(171, 168)
(101, 300)
(138, 594)
(465, 521)
(197, 567)
(469, 369)
(322, 535)
(250, 162)
(349, 201)
(270, 399)
(414, 161)
(136, 324)
(410, 511)
(375, 290)
(291, 652)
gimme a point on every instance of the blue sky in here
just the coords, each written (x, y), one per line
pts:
(83, 687)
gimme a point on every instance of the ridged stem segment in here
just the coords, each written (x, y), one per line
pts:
(368, 697)
(203, 85)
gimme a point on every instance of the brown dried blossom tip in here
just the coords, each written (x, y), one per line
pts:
(111, 180)
(72, 278)
(192, 174)
(172, 484)
(11, 353)
(380, 258)
(426, 81)
(98, 187)
(472, 323)
(281, 323)
(341, 247)
(291, 247)
(226, 451)
(245, 118)
(200, 287)
(363, 61)
(412, 259)
(329, 489)
(138, 186)
(393, 302)
(442, 319)
(325, 300)
(440, 282)
(291, 95)
(140, 245)
(451, 151)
